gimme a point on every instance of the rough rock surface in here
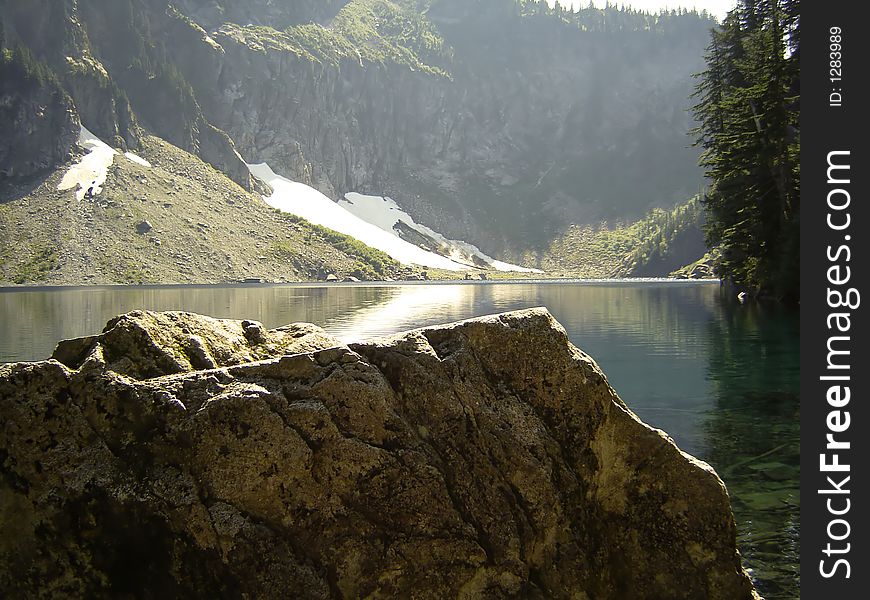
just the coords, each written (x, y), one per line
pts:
(487, 458)
(144, 344)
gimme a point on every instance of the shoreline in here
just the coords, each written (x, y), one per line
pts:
(371, 283)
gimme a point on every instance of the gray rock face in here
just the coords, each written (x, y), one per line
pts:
(106, 92)
(487, 458)
(38, 123)
(499, 131)
(54, 32)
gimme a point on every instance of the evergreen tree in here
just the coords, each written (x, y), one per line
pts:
(748, 126)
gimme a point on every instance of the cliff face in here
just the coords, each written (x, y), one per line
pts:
(484, 458)
(117, 72)
(491, 121)
(38, 122)
(54, 33)
(280, 15)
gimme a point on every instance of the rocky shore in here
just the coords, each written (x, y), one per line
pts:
(175, 455)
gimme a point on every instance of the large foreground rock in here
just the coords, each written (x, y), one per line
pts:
(483, 459)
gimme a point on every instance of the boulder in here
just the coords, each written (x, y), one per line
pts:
(143, 227)
(703, 268)
(486, 458)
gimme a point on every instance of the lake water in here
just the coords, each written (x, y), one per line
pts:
(720, 377)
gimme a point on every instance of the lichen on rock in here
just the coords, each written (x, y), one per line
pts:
(486, 458)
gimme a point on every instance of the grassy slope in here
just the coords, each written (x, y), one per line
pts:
(625, 250)
(209, 230)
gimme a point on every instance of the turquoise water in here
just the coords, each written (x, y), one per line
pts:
(720, 377)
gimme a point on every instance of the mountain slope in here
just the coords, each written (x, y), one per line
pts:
(661, 242)
(306, 202)
(201, 228)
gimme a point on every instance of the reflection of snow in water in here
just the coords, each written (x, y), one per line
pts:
(410, 307)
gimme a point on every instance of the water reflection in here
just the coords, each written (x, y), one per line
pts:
(407, 307)
(754, 372)
(721, 378)
(31, 322)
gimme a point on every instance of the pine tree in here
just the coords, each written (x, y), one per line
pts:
(747, 114)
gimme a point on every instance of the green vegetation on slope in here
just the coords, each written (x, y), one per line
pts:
(654, 246)
(665, 240)
(368, 31)
(748, 109)
(19, 70)
(41, 261)
(370, 263)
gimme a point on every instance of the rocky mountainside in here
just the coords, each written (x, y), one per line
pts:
(38, 121)
(178, 455)
(499, 122)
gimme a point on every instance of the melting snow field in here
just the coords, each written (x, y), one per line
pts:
(306, 202)
(385, 213)
(370, 219)
(90, 172)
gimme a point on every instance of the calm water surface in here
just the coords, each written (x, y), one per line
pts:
(721, 378)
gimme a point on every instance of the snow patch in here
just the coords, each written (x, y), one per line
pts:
(137, 159)
(383, 212)
(306, 202)
(90, 172)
